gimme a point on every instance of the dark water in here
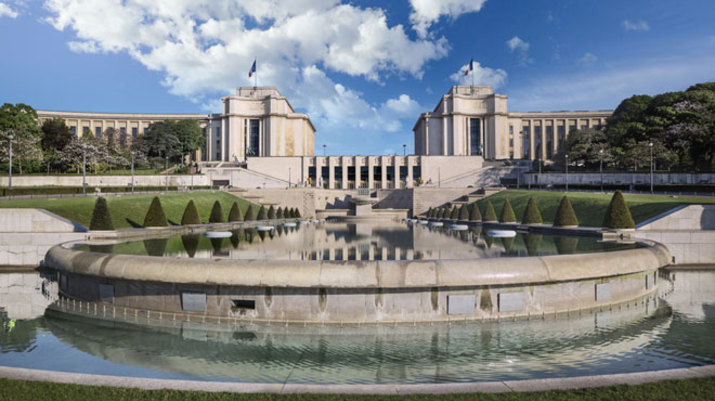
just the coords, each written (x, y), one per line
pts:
(339, 241)
(659, 334)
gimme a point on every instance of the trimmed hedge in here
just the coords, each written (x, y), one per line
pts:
(489, 213)
(475, 214)
(261, 213)
(48, 191)
(463, 213)
(191, 214)
(507, 213)
(618, 215)
(286, 212)
(101, 219)
(297, 213)
(454, 214)
(565, 215)
(430, 212)
(532, 215)
(271, 213)
(279, 214)
(235, 213)
(250, 214)
(155, 216)
(216, 213)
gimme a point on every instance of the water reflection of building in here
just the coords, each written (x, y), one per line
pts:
(25, 294)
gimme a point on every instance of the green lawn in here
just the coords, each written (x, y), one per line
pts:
(133, 207)
(691, 390)
(590, 207)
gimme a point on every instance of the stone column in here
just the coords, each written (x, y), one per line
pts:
(356, 160)
(410, 162)
(532, 156)
(556, 136)
(344, 163)
(383, 171)
(331, 173)
(223, 139)
(370, 175)
(445, 137)
(543, 139)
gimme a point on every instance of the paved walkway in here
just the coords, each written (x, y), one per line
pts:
(287, 388)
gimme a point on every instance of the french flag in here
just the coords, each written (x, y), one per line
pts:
(470, 68)
(253, 69)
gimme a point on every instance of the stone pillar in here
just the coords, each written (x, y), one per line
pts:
(223, 139)
(331, 173)
(531, 140)
(383, 171)
(370, 175)
(445, 137)
(543, 139)
(556, 136)
(410, 162)
(344, 163)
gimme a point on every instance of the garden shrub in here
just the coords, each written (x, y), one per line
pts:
(261, 213)
(235, 213)
(271, 213)
(101, 219)
(532, 215)
(216, 213)
(463, 213)
(250, 214)
(475, 214)
(191, 214)
(565, 215)
(489, 213)
(507, 213)
(618, 215)
(155, 216)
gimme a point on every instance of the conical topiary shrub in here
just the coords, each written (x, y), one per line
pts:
(279, 214)
(618, 215)
(475, 214)
(250, 214)
(463, 212)
(261, 213)
(297, 213)
(565, 215)
(235, 213)
(155, 216)
(507, 213)
(444, 214)
(101, 219)
(489, 213)
(532, 214)
(286, 212)
(454, 214)
(271, 213)
(191, 214)
(430, 212)
(216, 213)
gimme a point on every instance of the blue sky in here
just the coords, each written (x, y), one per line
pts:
(363, 70)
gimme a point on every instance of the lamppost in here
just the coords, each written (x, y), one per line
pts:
(84, 169)
(9, 183)
(323, 149)
(132, 153)
(166, 170)
(290, 178)
(650, 144)
(404, 149)
(567, 172)
(600, 166)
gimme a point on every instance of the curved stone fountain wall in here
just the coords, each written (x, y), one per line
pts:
(357, 291)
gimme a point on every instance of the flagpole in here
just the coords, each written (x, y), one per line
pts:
(255, 78)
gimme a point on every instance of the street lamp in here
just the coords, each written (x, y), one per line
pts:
(290, 178)
(9, 183)
(323, 149)
(404, 149)
(166, 170)
(600, 156)
(650, 144)
(132, 153)
(567, 172)
(84, 169)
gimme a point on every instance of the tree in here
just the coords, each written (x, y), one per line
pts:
(86, 148)
(235, 213)
(101, 219)
(20, 121)
(250, 214)
(585, 146)
(261, 213)
(297, 213)
(565, 215)
(216, 213)
(159, 141)
(532, 215)
(618, 215)
(507, 213)
(191, 214)
(271, 213)
(189, 134)
(463, 212)
(489, 213)
(475, 214)
(155, 216)
(454, 214)
(55, 134)
(279, 213)
(430, 212)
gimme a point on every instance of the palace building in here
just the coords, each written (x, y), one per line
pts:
(258, 131)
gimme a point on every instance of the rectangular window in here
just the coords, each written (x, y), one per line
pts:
(584, 126)
(98, 132)
(403, 173)
(85, 130)
(324, 171)
(475, 136)
(562, 135)
(123, 130)
(135, 132)
(338, 176)
(572, 128)
(73, 129)
(363, 177)
(549, 141)
(254, 146)
(311, 175)
(417, 174)
(526, 142)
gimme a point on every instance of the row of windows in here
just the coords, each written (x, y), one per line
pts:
(98, 131)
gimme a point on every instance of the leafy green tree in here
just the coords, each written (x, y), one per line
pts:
(55, 136)
(261, 213)
(191, 214)
(101, 219)
(618, 215)
(565, 215)
(155, 216)
(159, 141)
(507, 213)
(532, 215)
(489, 214)
(20, 121)
(585, 146)
(216, 213)
(235, 213)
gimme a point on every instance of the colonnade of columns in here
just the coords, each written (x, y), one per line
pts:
(529, 126)
(338, 174)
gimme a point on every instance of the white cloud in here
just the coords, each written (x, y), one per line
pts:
(427, 12)
(6, 11)
(639, 25)
(521, 48)
(204, 48)
(587, 59)
(482, 76)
